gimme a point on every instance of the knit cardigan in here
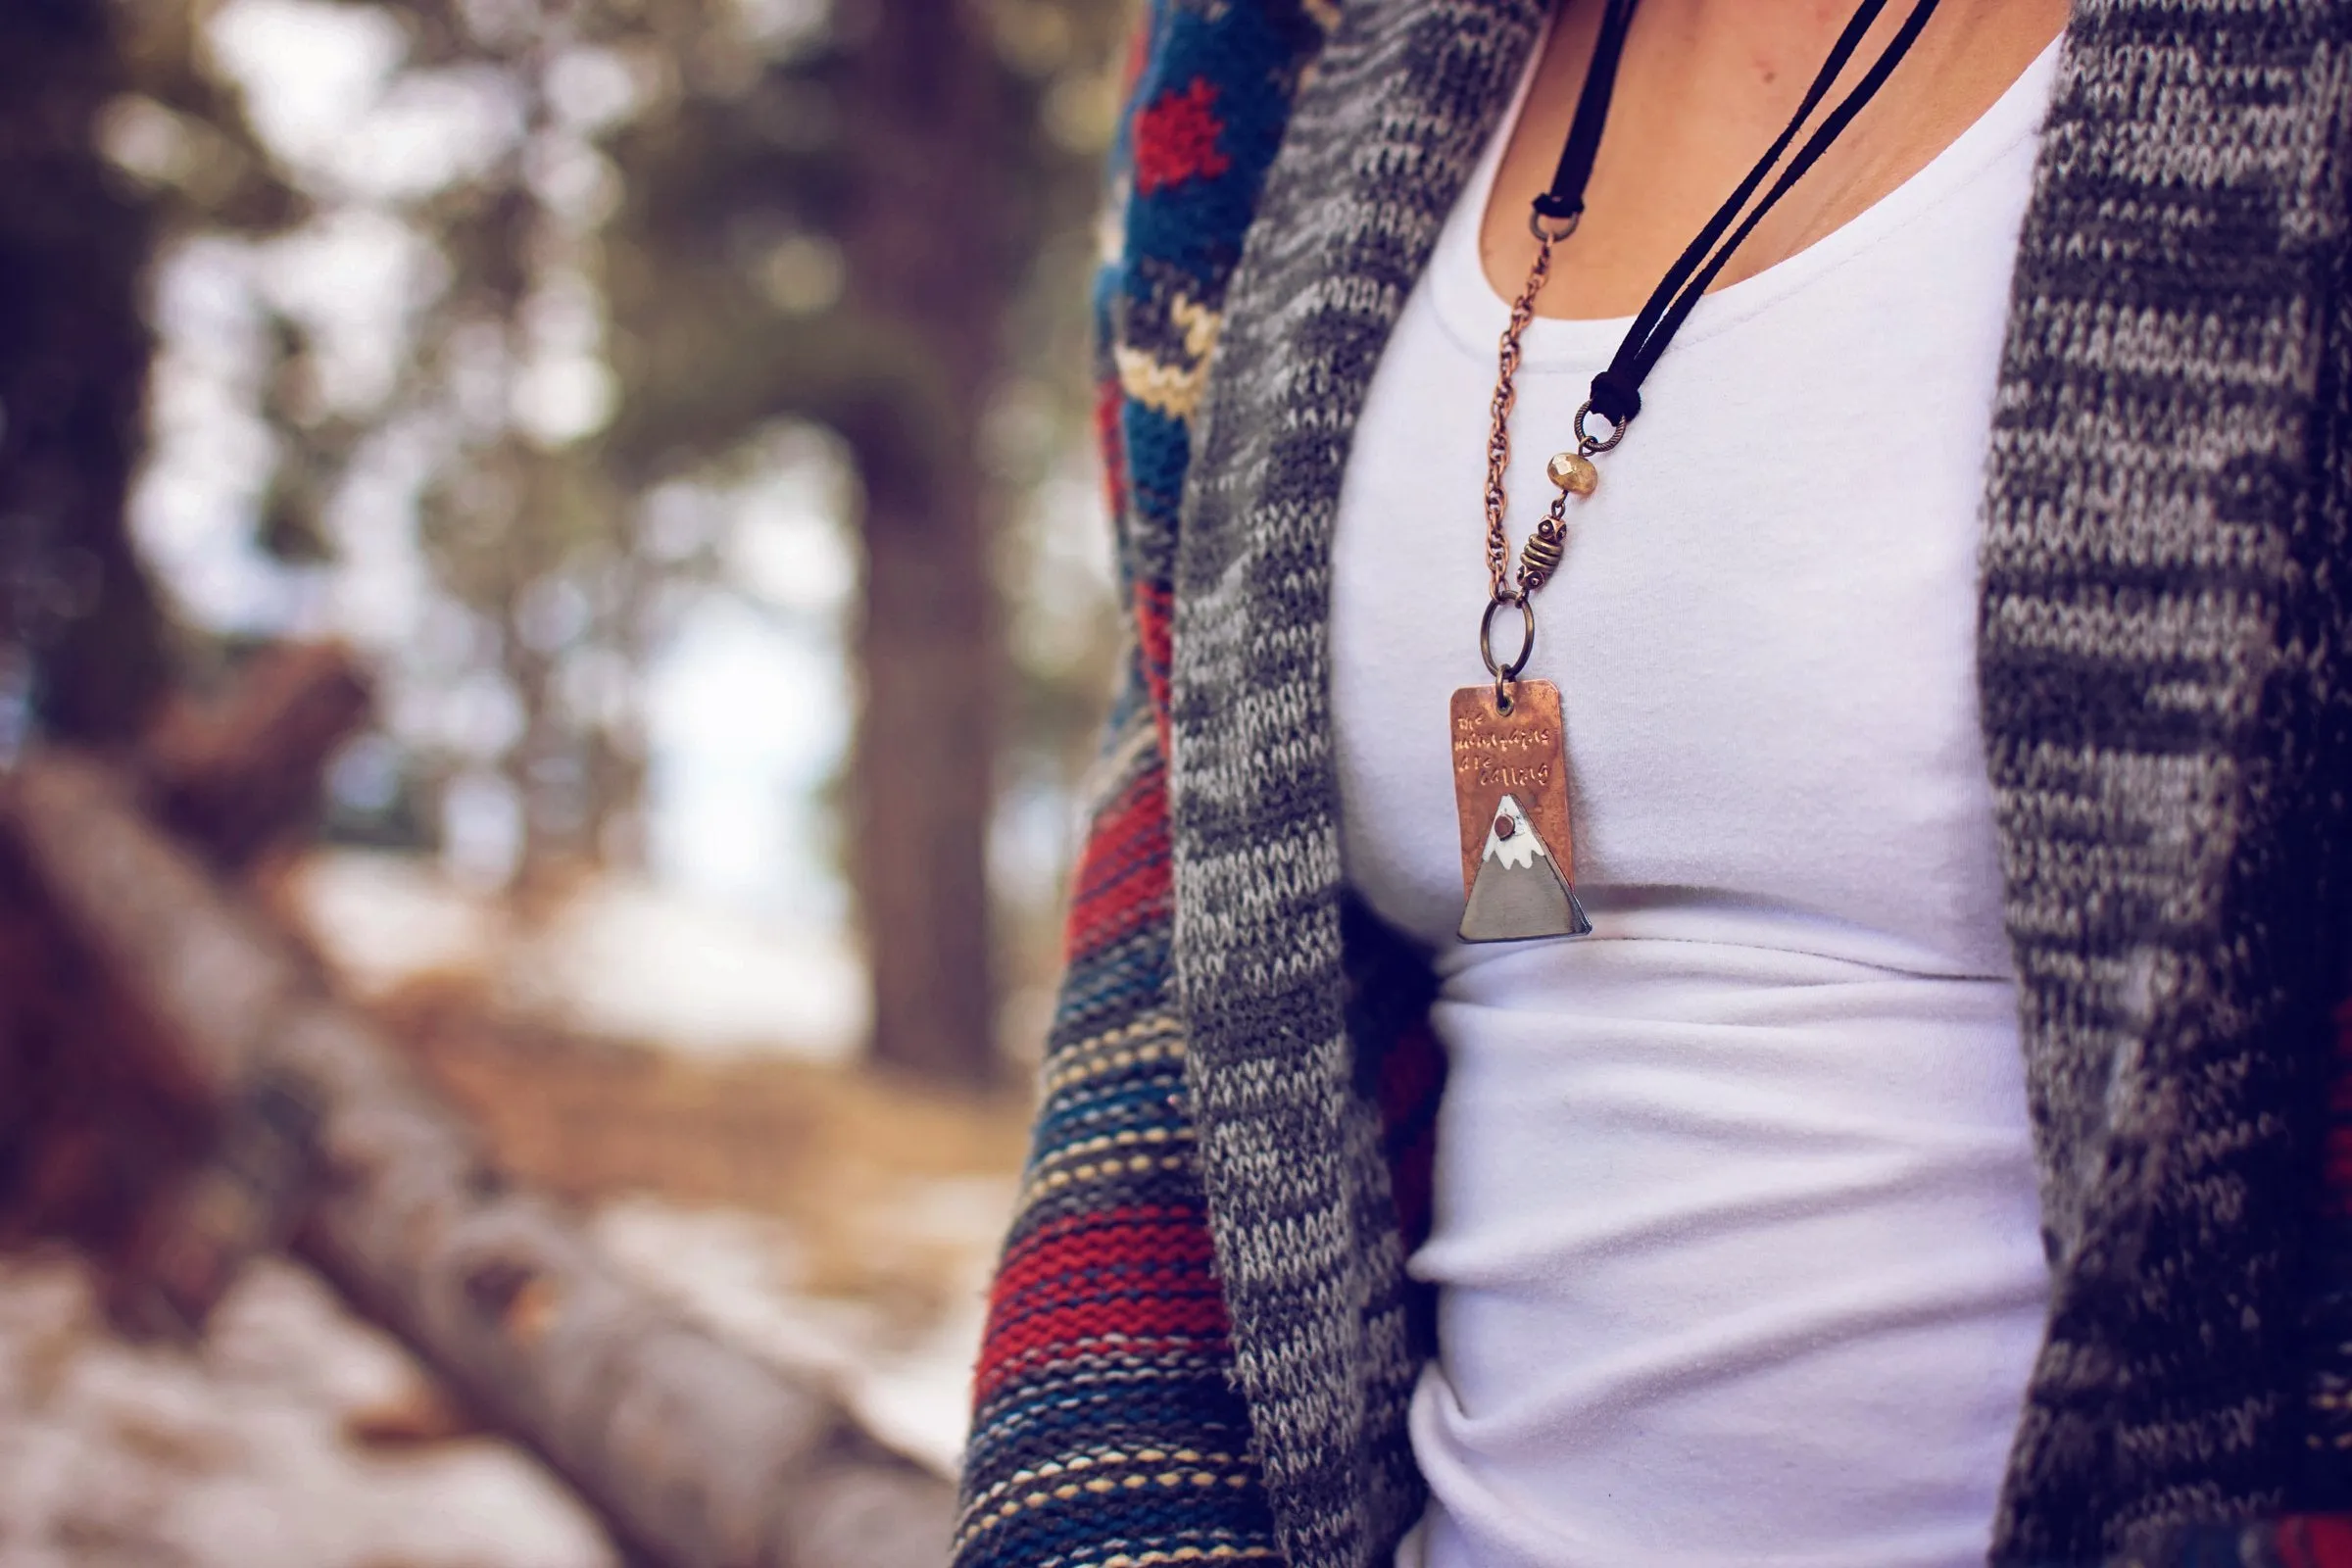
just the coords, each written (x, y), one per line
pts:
(1201, 1339)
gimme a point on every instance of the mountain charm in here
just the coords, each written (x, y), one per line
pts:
(1510, 787)
(1519, 892)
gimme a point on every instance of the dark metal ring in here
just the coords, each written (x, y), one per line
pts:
(1588, 443)
(1536, 222)
(1527, 638)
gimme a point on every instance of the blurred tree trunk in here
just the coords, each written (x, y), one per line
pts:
(76, 619)
(930, 278)
(81, 646)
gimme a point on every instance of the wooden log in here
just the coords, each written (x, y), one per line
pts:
(96, 1116)
(239, 772)
(698, 1456)
(101, 1137)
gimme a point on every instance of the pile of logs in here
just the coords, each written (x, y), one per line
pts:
(198, 1094)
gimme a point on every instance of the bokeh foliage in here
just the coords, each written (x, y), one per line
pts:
(671, 244)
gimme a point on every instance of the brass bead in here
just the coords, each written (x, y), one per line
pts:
(1573, 473)
(1539, 555)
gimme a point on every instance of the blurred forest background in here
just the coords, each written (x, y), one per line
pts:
(556, 541)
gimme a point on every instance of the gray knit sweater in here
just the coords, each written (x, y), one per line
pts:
(2168, 713)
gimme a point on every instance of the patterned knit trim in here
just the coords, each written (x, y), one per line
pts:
(1097, 1470)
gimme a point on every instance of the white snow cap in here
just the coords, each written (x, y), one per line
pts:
(1520, 850)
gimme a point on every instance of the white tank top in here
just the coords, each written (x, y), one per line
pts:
(1736, 1234)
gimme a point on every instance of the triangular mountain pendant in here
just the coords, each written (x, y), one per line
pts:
(1510, 786)
(1519, 892)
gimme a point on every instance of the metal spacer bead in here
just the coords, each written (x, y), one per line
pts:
(1541, 555)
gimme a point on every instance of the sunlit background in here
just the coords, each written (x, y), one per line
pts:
(634, 389)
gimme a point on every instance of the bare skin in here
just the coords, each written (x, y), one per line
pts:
(1704, 87)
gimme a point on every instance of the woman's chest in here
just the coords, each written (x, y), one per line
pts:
(1764, 628)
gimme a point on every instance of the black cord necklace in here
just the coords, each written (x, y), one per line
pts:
(1511, 764)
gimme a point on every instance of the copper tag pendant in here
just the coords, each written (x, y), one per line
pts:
(1510, 787)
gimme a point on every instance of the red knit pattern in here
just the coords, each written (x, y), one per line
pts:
(2315, 1541)
(1109, 398)
(1155, 645)
(1123, 875)
(1131, 69)
(1136, 1280)
(1176, 138)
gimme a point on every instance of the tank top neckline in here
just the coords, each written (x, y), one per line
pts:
(1475, 314)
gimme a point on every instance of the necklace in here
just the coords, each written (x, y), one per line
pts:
(1510, 760)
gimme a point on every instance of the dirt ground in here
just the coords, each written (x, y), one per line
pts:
(835, 1152)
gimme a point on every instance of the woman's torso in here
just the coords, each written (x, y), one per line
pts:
(1735, 1225)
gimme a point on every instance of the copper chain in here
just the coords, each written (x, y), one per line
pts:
(1498, 434)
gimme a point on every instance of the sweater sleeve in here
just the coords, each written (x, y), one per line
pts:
(1104, 1428)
